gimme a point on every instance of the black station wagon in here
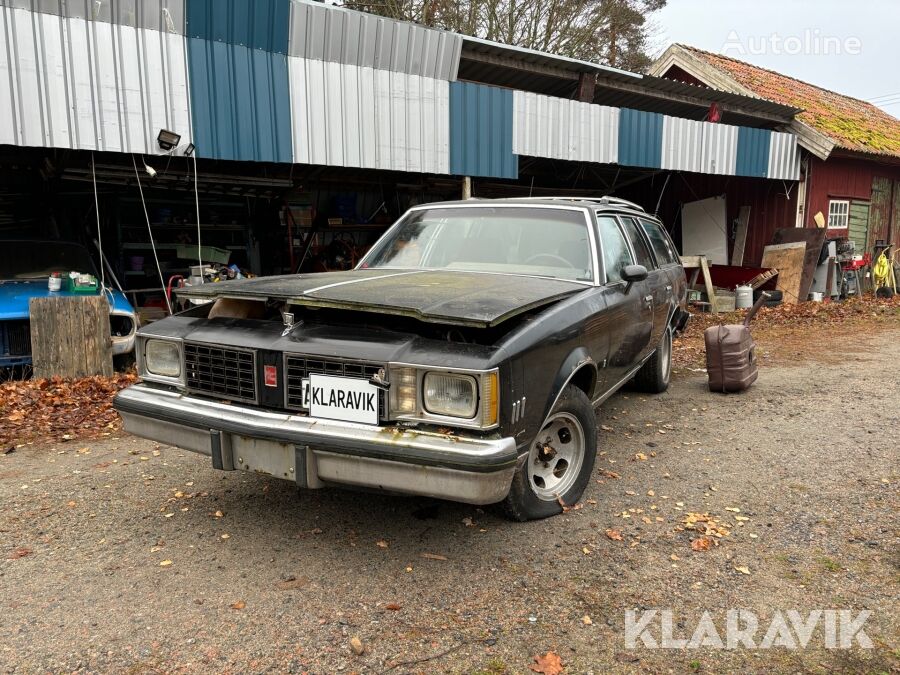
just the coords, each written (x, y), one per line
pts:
(463, 358)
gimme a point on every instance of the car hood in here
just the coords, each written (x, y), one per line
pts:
(14, 297)
(438, 296)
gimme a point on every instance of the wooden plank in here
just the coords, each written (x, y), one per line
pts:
(740, 236)
(788, 260)
(761, 278)
(710, 289)
(70, 336)
(814, 238)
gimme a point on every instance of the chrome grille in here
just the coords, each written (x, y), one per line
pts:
(15, 338)
(298, 367)
(221, 371)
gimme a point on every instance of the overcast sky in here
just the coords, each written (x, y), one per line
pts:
(849, 46)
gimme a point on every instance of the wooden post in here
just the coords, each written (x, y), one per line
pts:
(70, 336)
(467, 187)
(698, 264)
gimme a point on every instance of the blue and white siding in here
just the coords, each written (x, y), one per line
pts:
(296, 81)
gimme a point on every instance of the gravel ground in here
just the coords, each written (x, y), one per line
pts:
(120, 555)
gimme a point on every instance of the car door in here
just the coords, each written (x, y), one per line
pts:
(628, 317)
(667, 259)
(659, 286)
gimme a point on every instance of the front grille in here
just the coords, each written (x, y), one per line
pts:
(221, 371)
(15, 338)
(298, 368)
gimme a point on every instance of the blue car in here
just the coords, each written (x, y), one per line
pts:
(25, 266)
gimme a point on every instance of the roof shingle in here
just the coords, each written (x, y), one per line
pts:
(851, 123)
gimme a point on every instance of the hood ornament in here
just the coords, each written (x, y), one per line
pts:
(289, 323)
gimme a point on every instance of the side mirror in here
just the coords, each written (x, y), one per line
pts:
(632, 273)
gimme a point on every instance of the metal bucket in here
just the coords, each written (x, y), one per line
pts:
(743, 298)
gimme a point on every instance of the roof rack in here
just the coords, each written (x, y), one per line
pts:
(600, 200)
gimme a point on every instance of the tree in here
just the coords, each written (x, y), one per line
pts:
(613, 32)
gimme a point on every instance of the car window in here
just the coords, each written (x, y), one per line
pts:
(641, 250)
(546, 242)
(616, 254)
(662, 245)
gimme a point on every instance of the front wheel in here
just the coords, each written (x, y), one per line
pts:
(559, 462)
(654, 375)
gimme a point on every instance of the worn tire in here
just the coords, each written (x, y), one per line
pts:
(523, 501)
(654, 375)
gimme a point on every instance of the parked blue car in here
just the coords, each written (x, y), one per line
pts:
(25, 266)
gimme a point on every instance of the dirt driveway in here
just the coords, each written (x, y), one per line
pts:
(118, 555)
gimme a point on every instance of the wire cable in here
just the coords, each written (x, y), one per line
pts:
(97, 212)
(150, 232)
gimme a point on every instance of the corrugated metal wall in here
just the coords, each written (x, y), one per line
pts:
(640, 138)
(241, 102)
(257, 24)
(784, 157)
(682, 144)
(327, 33)
(166, 16)
(719, 149)
(481, 131)
(753, 152)
(73, 83)
(345, 115)
(545, 126)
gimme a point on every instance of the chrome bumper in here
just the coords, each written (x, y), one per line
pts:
(316, 452)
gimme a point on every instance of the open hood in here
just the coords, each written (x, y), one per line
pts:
(461, 298)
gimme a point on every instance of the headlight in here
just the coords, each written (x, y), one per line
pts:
(162, 357)
(451, 395)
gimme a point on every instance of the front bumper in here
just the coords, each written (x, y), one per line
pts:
(317, 452)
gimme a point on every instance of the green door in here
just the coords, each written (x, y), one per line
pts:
(859, 225)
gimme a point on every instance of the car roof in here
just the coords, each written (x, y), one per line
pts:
(593, 203)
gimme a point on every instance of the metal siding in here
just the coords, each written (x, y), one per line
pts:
(241, 102)
(74, 83)
(753, 152)
(345, 115)
(256, 24)
(784, 157)
(640, 138)
(166, 16)
(546, 126)
(481, 131)
(329, 33)
(682, 144)
(719, 149)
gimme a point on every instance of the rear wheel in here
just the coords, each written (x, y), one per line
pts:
(559, 462)
(654, 375)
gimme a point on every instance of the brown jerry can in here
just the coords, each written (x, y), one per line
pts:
(731, 354)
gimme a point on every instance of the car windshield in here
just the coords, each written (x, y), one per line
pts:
(548, 242)
(36, 259)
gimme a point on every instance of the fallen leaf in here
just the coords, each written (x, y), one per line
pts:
(586, 620)
(701, 544)
(742, 569)
(226, 536)
(468, 522)
(381, 543)
(741, 518)
(605, 428)
(392, 606)
(614, 535)
(651, 493)
(240, 604)
(218, 514)
(733, 509)
(292, 583)
(357, 646)
(586, 550)
(610, 474)
(548, 664)
(71, 503)
(434, 556)
(640, 456)
(674, 557)
(165, 563)
(19, 552)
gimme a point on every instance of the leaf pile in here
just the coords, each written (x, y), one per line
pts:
(791, 332)
(58, 408)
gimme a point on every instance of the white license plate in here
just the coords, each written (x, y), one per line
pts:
(340, 398)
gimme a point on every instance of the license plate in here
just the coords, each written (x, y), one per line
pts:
(340, 398)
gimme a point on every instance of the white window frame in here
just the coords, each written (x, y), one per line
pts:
(838, 219)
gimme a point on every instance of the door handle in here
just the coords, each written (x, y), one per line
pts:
(648, 299)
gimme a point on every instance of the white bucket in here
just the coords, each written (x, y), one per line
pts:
(743, 297)
(816, 297)
(54, 283)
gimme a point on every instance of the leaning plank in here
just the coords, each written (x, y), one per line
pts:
(70, 336)
(788, 260)
(740, 236)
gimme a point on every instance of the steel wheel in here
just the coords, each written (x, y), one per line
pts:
(665, 355)
(556, 457)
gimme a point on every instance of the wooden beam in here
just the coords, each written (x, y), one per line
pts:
(587, 83)
(518, 64)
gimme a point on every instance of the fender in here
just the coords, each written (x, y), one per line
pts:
(576, 362)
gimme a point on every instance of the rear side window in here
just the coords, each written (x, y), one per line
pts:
(641, 250)
(616, 255)
(662, 245)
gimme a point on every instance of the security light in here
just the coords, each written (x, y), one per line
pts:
(189, 149)
(167, 139)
